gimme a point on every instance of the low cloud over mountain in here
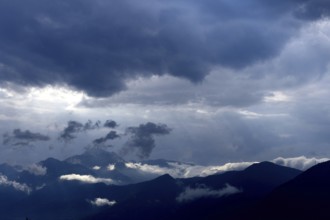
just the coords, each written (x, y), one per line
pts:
(190, 194)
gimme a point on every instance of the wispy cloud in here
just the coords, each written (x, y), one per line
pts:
(16, 185)
(184, 170)
(191, 194)
(36, 169)
(110, 136)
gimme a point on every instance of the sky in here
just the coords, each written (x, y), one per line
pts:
(207, 82)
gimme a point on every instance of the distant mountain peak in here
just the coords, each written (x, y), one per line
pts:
(49, 160)
(165, 177)
(268, 166)
(95, 157)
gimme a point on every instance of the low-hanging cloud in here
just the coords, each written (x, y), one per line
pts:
(185, 170)
(16, 185)
(19, 137)
(102, 202)
(142, 140)
(74, 127)
(86, 179)
(191, 194)
(110, 124)
(36, 169)
(300, 163)
(110, 136)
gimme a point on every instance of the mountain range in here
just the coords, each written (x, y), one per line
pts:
(101, 185)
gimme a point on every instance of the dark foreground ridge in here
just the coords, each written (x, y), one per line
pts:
(305, 197)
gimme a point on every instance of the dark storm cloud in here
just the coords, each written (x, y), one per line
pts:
(142, 140)
(96, 45)
(110, 124)
(74, 127)
(21, 138)
(89, 125)
(110, 136)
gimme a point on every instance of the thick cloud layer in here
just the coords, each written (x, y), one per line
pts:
(261, 67)
(97, 45)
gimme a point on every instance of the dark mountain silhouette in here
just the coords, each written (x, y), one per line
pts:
(305, 197)
(54, 169)
(254, 182)
(157, 199)
(153, 199)
(261, 191)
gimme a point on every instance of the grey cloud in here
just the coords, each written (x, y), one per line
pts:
(69, 131)
(90, 125)
(142, 140)
(21, 138)
(74, 127)
(110, 136)
(110, 124)
(96, 46)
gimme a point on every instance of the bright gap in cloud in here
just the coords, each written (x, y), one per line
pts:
(277, 96)
(56, 95)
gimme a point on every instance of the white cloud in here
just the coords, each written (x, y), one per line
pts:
(300, 163)
(16, 185)
(184, 170)
(36, 169)
(86, 179)
(102, 202)
(111, 167)
(190, 194)
(96, 168)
